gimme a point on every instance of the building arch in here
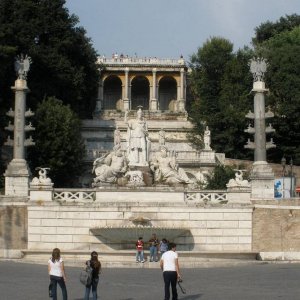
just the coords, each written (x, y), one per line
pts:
(140, 91)
(167, 92)
(112, 92)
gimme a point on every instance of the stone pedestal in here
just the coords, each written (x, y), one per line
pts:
(41, 192)
(262, 181)
(17, 178)
(238, 194)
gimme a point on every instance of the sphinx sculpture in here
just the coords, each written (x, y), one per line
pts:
(238, 181)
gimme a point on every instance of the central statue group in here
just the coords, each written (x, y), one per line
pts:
(128, 166)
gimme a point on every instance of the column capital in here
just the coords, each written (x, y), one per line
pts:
(126, 70)
(154, 70)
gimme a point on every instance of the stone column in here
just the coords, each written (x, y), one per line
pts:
(99, 101)
(181, 101)
(262, 176)
(154, 102)
(126, 100)
(17, 172)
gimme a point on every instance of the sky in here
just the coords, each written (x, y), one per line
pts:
(170, 28)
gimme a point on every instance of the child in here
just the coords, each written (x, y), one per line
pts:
(139, 245)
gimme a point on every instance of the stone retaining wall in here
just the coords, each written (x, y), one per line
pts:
(276, 226)
(68, 226)
(13, 227)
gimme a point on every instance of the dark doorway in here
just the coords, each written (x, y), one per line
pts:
(112, 92)
(167, 92)
(140, 93)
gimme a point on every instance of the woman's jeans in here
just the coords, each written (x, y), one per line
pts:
(94, 286)
(153, 253)
(60, 281)
(140, 255)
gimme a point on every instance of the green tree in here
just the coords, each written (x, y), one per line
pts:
(59, 145)
(267, 30)
(64, 61)
(220, 177)
(220, 82)
(282, 52)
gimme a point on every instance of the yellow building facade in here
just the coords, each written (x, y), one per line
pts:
(154, 84)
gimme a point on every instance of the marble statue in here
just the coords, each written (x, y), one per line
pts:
(138, 143)
(207, 139)
(166, 169)
(238, 181)
(22, 66)
(42, 179)
(161, 137)
(258, 68)
(110, 167)
(135, 178)
(117, 136)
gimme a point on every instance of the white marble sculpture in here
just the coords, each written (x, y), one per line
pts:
(110, 167)
(135, 178)
(207, 139)
(161, 137)
(138, 143)
(117, 136)
(166, 169)
(238, 181)
(42, 180)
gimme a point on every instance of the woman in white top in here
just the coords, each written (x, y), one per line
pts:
(57, 274)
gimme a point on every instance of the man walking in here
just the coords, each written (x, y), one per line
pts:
(170, 266)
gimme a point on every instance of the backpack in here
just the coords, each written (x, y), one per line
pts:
(86, 275)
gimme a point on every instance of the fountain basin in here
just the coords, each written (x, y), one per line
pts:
(130, 233)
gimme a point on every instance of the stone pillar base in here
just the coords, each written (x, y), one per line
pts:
(181, 105)
(153, 105)
(126, 104)
(41, 193)
(262, 181)
(17, 178)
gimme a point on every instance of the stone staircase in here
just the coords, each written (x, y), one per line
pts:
(126, 258)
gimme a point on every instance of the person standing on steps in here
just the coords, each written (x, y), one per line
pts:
(170, 267)
(139, 245)
(153, 242)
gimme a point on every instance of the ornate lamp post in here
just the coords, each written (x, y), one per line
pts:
(283, 164)
(17, 172)
(262, 176)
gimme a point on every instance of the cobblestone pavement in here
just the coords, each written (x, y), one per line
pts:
(23, 281)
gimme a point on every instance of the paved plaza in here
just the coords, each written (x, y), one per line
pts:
(22, 281)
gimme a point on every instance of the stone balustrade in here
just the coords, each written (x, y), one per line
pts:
(190, 197)
(141, 61)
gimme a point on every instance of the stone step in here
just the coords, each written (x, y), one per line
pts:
(126, 258)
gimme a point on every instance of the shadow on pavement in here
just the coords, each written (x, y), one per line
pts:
(191, 297)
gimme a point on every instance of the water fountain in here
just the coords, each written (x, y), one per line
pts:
(125, 235)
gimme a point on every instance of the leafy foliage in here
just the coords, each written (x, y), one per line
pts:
(58, 142)
(220, 82)
(283, 78)
(269, 29)
(64, 61)
(220, 177)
